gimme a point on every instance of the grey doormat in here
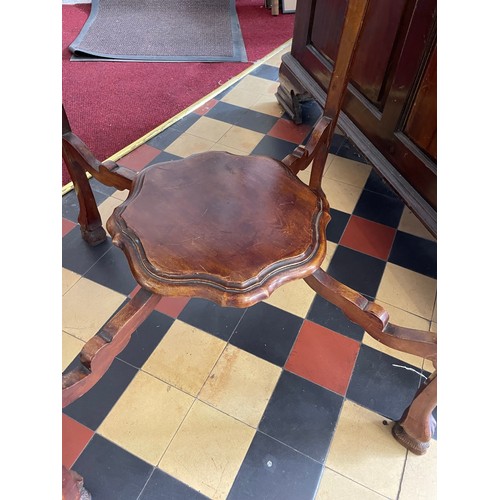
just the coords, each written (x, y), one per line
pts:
(160, 30)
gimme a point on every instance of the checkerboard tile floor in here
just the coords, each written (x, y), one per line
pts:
(285, 400)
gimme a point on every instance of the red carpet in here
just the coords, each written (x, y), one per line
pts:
(110, 105)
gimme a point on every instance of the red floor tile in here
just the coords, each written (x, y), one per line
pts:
(324, 357)
(289, 131)
(206, 107)
(67, 226)
(368, 237)
(75, 437)
(139, 157)
(172, 306)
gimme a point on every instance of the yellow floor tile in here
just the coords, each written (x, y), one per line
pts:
(71, 347)
(276, 59)
(401, 318)
(407, 290)
(208, 128)
(420, 476)
(268, 105)
(410, 224)
(297, 296)
(241, 139)
(187, 145)
(340, 195)
(348, 171)
(364, 450)
(240, 96)
(207, 451)
(335, 486)
(69, 278)
(185, 357)
(256, 85)
(146, 417)
(221, 147)
(240, 385)
(120, 195)
(87, 306)
(106, 209)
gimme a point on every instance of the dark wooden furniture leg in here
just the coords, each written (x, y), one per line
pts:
(79, 160)
(414, 430)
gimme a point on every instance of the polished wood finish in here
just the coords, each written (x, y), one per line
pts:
(231, 229)
(389, 110)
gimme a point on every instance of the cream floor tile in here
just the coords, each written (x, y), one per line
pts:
(207, 450)
(276, 59)
(185, 357)
(221, 147)
(208, 128)
(268, 105)
(69, 278)
(241, 96)
(106, 209)
(120, 195)
(188, 144)
(257, 85)
(296, 296)
(340, 195)
(409, 223)
(241, 139)
(434, 313)
(401, 318)
(240, 385)
(71, 347)
(420, 476)
(364, 450)
(146, 417)
(348, 171)
(335, 486)
(408, 290)
(87, 306)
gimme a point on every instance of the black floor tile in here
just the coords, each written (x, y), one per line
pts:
(258, 122)
(273, 471)
(211, 318)
(349, 151)
(92, 408)
(376, 184)
(226, 112)
(311, 112)
(110, 472)
(415, 253)
(220, 95)
(337, 142)
(71, 208)
(162, 486)
(326, 314)
(146, 338)
(357, 270)
(164, 139)
(273, 147)
(380, 384)
(267, 72)
(98, 187)
(112, 271)
(337, 225)
(267, 332)
(302, 415)
(78, 255)
(379, 208)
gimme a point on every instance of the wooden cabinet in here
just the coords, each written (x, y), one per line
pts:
(390, 108)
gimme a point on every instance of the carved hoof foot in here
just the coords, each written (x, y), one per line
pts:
(93, 236)
(411, 444)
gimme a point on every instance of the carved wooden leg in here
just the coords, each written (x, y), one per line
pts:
(89, 219)
(415, 428)
(100, 351)
(95, 358)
